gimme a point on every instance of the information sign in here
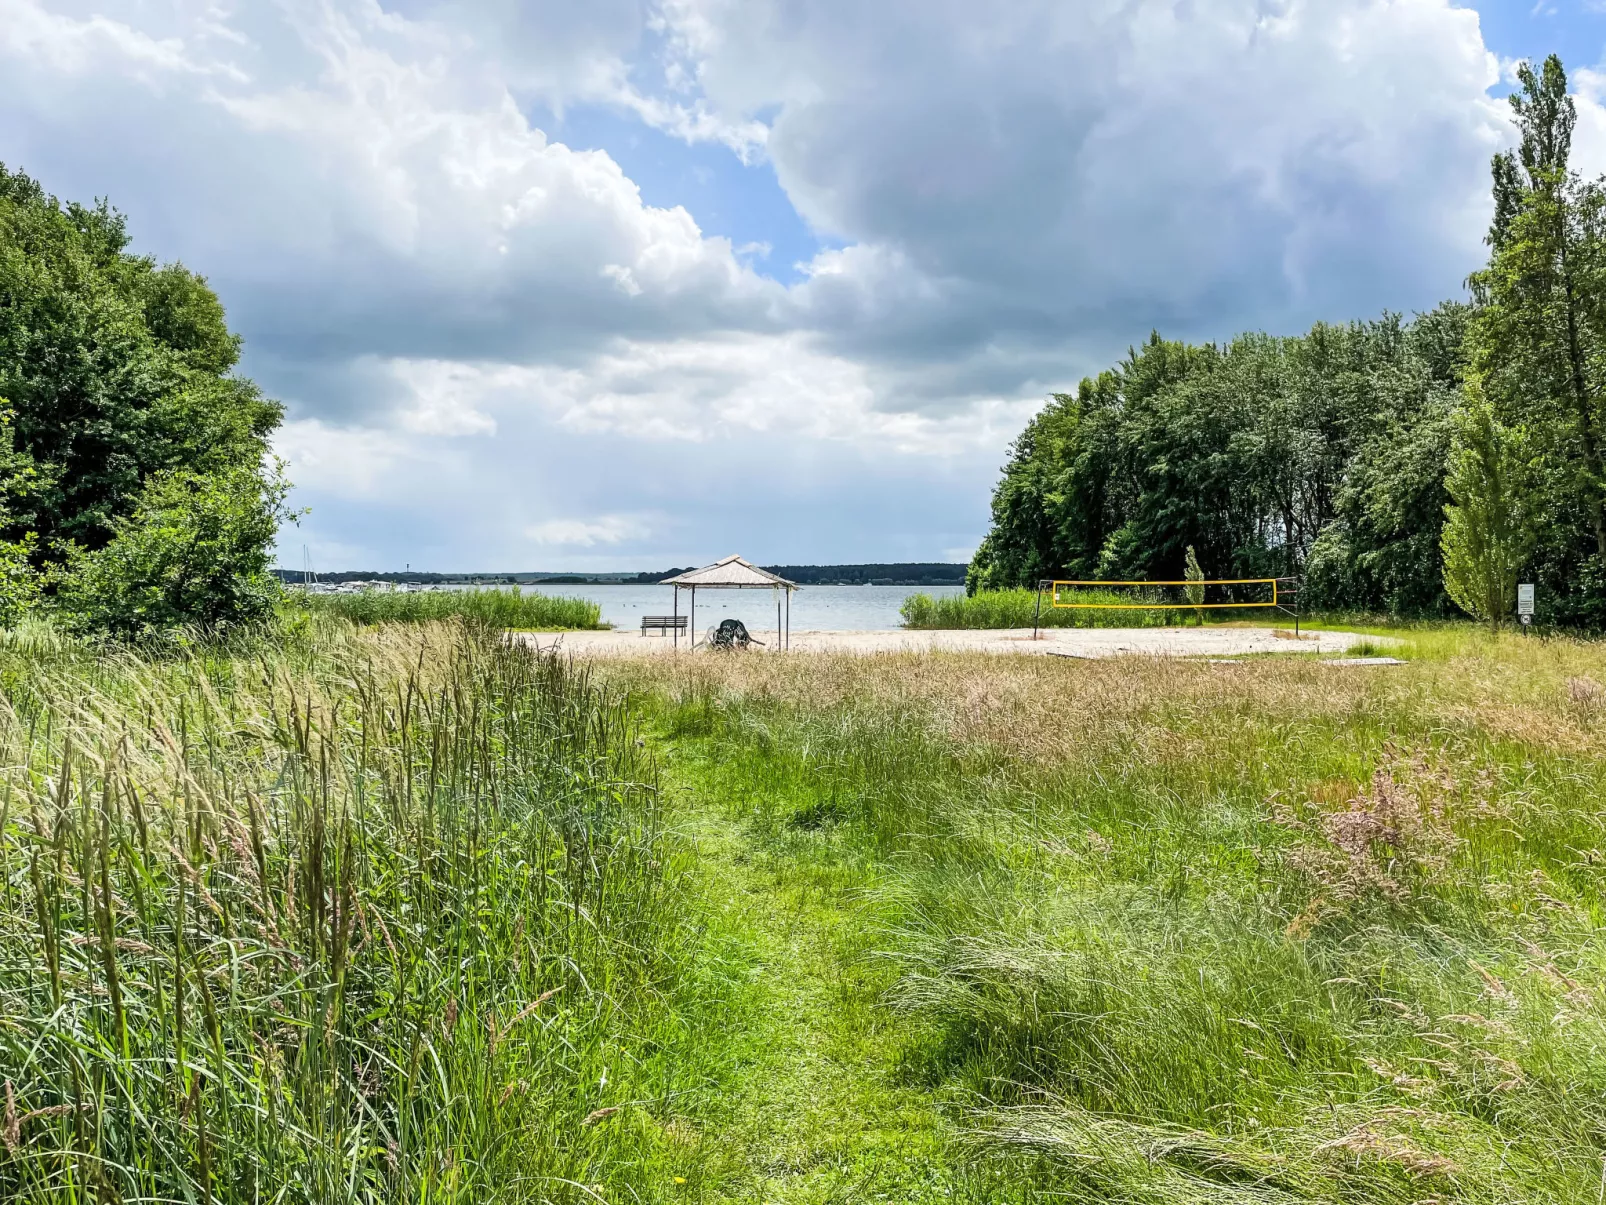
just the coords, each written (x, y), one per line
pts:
(1525, 602)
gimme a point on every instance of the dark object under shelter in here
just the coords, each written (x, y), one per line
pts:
(733, 573)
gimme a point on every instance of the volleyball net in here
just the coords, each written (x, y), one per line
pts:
(1209, 594)
(1234, 595)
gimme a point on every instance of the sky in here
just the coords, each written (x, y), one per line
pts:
(625, 284)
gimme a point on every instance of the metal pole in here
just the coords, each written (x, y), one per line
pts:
(789, 619)
(777, 620)
(674, 625)
(1297, 593)
(694, 618)
(1038, 613)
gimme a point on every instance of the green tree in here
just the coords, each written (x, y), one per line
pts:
(120, 377)
(116, 369)
(195, 551)
(1266, 455)
(19, 582)
(1380, 551)
(1490, 523)
(1538, 337)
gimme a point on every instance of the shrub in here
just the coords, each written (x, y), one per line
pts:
(195, 551)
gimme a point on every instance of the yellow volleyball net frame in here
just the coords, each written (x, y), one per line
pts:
(1283, 590)
(1154, 606)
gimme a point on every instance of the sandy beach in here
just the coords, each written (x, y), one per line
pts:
(1060, 642)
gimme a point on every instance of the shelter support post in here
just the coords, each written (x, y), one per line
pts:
(676, 614)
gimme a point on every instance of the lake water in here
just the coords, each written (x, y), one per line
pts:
(814, 608)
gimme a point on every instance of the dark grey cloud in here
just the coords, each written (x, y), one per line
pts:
(1042, 173)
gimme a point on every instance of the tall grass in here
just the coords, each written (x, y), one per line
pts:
(1267, 932)
(1016, 608)
(358, 918)
(501, 608)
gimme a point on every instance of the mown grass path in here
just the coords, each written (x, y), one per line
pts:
(818, 1107)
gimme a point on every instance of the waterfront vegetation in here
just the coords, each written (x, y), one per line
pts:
(411, 911)
(510, 608)
(1020, 608)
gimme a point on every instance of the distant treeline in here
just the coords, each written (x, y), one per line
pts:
(918, 573)
(903, 573)
(914, 573)
(296, 576)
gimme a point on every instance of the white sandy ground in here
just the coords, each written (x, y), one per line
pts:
(1062, 642)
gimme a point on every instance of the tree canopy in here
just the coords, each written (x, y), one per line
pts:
(116, 372)
(1264, 454)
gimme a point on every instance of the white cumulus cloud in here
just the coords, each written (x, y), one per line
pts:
(483, 332)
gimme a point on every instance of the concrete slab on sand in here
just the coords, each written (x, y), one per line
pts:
(1061, 642)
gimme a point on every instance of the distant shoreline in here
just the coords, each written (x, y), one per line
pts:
(912, 573)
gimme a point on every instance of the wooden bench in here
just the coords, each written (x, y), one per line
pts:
(663, 625)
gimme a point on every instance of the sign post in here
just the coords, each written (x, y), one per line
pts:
(1525, 603)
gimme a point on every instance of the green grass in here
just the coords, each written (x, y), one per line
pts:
(1163, 932)
(1016, 608)
(412, 913)
(339, 918)
(508, 609)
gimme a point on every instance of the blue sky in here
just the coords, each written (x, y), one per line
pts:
(743, 201)
(645, 282)
(1574, 29)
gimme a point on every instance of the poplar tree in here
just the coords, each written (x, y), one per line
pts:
(1538, 334)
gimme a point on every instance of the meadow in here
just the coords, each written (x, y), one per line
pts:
(408, 911)
(513, 609)
(1162, 931)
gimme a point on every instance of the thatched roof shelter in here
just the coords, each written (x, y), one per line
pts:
(733, 573)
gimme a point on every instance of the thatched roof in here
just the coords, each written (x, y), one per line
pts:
(730, 573)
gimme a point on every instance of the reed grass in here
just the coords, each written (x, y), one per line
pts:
(512, 608)
(345, 917)
(1172, 932)
(1017, 608)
